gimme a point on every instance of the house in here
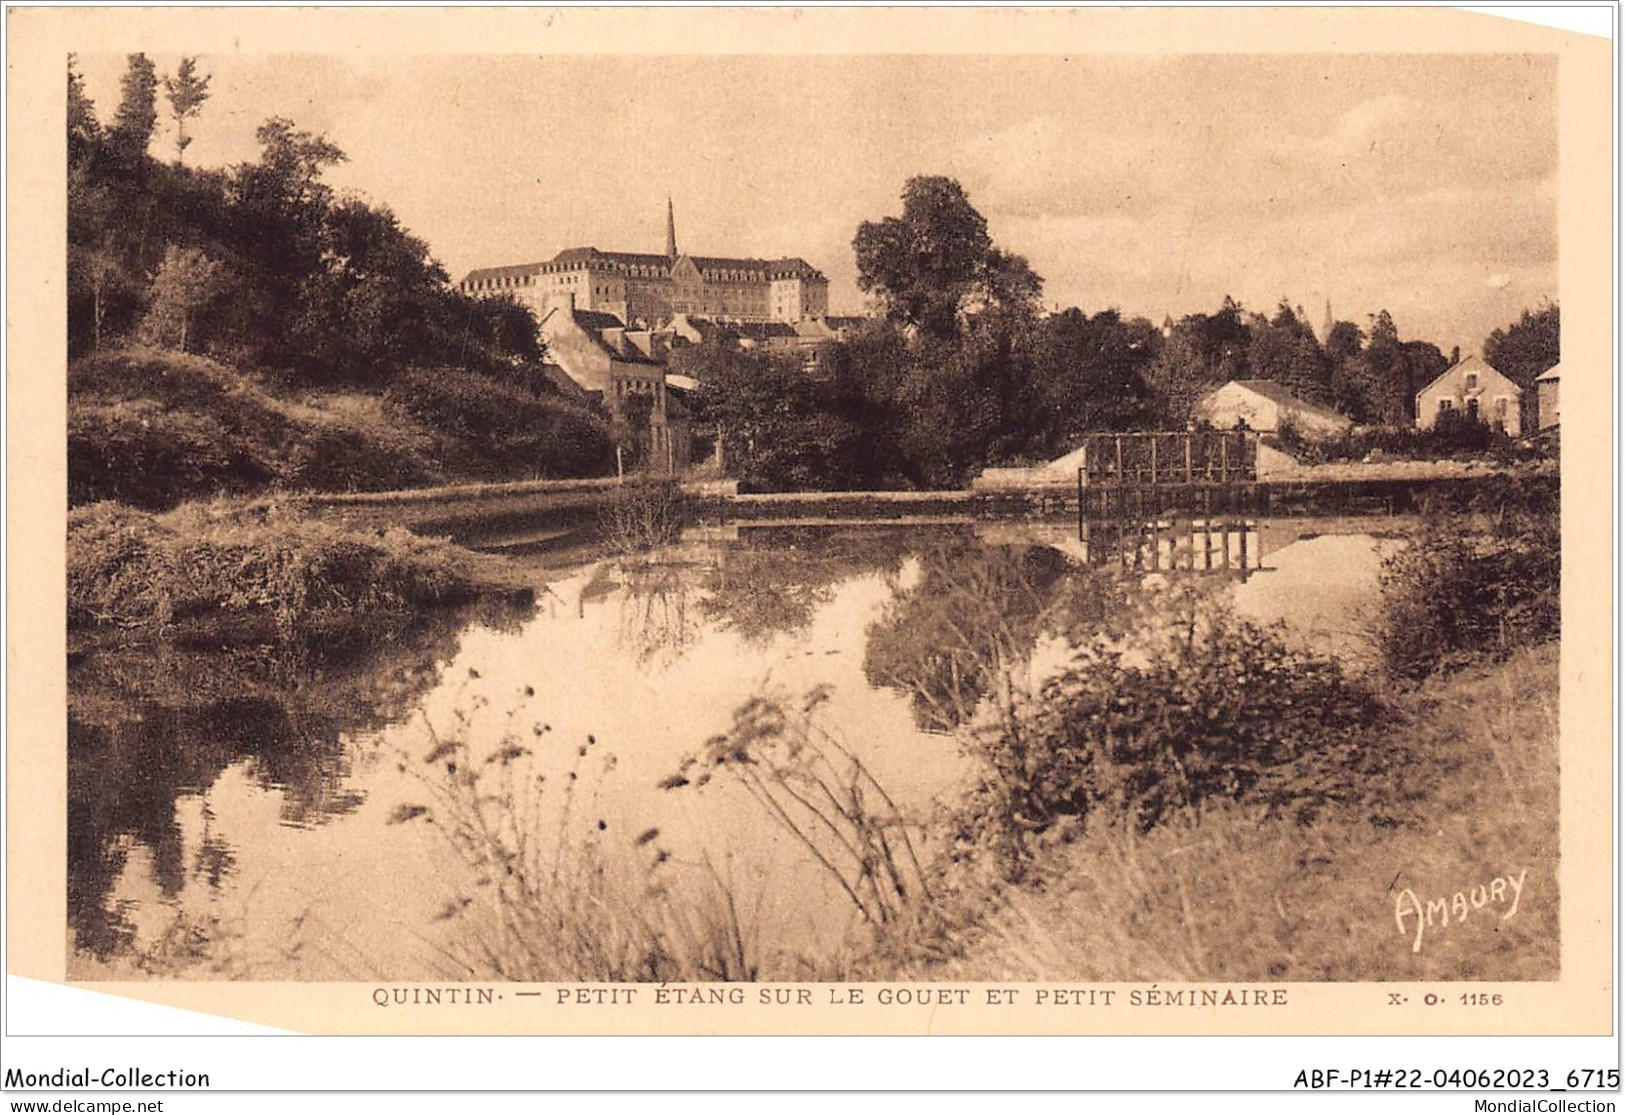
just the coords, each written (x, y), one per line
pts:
(1266, 406)
(625, 368)
(1546, 398)
(1478, 391)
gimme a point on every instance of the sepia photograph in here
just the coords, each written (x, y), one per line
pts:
(996, 540)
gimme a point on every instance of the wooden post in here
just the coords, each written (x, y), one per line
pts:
(1189, 479)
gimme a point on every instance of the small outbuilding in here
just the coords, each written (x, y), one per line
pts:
(1478, 391)
(1266, 406)
(1546, 398)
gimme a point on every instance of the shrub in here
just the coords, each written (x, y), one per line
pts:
(500, 429)
(1200, 706)
(642, 514)
(127, 569)
(153, 429)
(141, 453)
(1479, 581)
(1452, 436)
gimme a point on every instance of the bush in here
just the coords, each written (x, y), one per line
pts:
(146, 455)
(155, 428)
(498, 429)
(1453, 436)
(642, 514)
(1202, 706)
(1475, 582)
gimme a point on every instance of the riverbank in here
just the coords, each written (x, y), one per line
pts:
(230, 575)
(1234, 895)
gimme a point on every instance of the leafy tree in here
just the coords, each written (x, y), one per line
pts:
(98, 270)
(137, 114)
(1528, 347)
(936, 262)
(1177, 377)
(1088, 374)
(84, 131)
(186, 280)
(186, 91)
(1344, 340)
(1284, 350)
(775, 419)
(1201, 352)
(279, 216)
(1384, 381)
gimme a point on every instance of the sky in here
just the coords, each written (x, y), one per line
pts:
(1424, 184)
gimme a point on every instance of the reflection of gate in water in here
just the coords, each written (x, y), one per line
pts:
(1172, 501)
(1163, 545)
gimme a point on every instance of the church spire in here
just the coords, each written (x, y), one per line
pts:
(671, 231)
(1326, 329)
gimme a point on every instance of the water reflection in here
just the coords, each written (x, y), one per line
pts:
(230, 814)
(152, 731)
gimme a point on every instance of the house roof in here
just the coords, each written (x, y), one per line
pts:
(1550, 375)
(597, 319)
(1469, 364)
(1279, 395)
(764, 330)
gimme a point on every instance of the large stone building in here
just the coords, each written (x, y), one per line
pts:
(647, 290)
(609, 320)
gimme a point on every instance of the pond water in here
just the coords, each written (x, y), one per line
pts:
(239, 815)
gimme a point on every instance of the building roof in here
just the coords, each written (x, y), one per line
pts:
(636, 259)
(1279, 395)
(1469, 364)
(1550, 375)
(759, 269)
(595, 324)
(764, 330)
(597, 319)
(513, 271)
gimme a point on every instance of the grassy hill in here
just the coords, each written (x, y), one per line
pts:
(152, 428)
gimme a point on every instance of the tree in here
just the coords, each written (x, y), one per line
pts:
(1528, 347)
(280, 214)
(1344, 340)
(137, 114)
(936, 262)
(186, 281)
(186, 92)
(97, 269)
(84, 132)
(775, 419)
(1088, 374)
(1284, 350)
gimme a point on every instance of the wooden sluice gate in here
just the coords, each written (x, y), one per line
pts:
(1172, 501)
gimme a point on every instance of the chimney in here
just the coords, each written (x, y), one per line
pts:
(671, 232)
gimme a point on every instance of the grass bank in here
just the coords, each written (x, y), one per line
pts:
(152, 428)
(226, 575)
(1232, 892)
